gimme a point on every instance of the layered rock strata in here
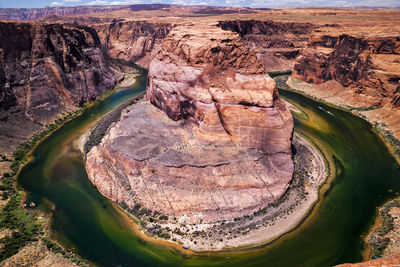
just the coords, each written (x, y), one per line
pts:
(137, 41)
(357, 71)
(45, 69)
(276, 44)
(212, 143)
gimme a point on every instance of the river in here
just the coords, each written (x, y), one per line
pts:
(91, 226)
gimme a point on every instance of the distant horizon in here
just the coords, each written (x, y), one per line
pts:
(220, 3)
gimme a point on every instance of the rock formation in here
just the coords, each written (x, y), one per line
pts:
(44, 70)
(213, 78)
(276, 44)
(357, 71)
(215, 142)
(138, 41)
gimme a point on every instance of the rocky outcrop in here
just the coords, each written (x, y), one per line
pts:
(368, 66)
(215, 144)
(138, 41)
(214, 79)
(276, 44)
(45, 69)
(356, 71)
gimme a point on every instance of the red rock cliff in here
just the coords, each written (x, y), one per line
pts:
(138, 41)
(44, 70)
(364, 66)
(276, 44)
(356, 71)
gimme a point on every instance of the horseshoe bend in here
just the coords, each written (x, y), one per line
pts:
(173, 135)
(210, 144)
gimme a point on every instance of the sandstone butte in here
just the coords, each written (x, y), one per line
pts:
(211, 142)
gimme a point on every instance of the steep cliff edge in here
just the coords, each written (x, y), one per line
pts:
(45, 70)
(137, 41)
(276, 44)
(355, 71)
(215, 113)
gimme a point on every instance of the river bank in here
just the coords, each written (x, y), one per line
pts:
(369, 114)
(31, 224)
(253, 229)
(330, 235)
(383, 238)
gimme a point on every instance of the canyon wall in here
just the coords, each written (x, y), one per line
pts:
(213, 141)
(355, 71)
(366, 66)
(46, 69)
(276, 44)
(137, 41)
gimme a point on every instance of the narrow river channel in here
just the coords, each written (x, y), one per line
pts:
(90, 225)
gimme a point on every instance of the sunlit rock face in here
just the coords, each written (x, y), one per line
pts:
(209, 76)
(211, 143)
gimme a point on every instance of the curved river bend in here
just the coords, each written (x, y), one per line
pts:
(91, 225)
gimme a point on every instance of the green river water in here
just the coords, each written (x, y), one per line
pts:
(90, 225)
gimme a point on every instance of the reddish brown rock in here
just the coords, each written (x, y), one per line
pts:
(357, 71)
(47, 69)
(216, 143)
(276, 44)
(138, 41)
(210, 76)
(367, 66)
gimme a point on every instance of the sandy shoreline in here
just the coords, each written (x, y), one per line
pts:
(256, 229)
(251, 230)
(372, 116)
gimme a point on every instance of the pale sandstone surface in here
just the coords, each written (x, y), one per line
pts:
(392, 262)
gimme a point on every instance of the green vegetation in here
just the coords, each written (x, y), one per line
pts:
(56, 248)
(378, 239)
(388, 135)
(3, 158)
(363, 109)
(23, 225)
(164, 235)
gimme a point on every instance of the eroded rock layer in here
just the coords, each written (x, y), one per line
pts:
(276, 44)
(214, 142)
(365, 66)
(138, 41)
(361, 71)
(210, 76)
(44, 69)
